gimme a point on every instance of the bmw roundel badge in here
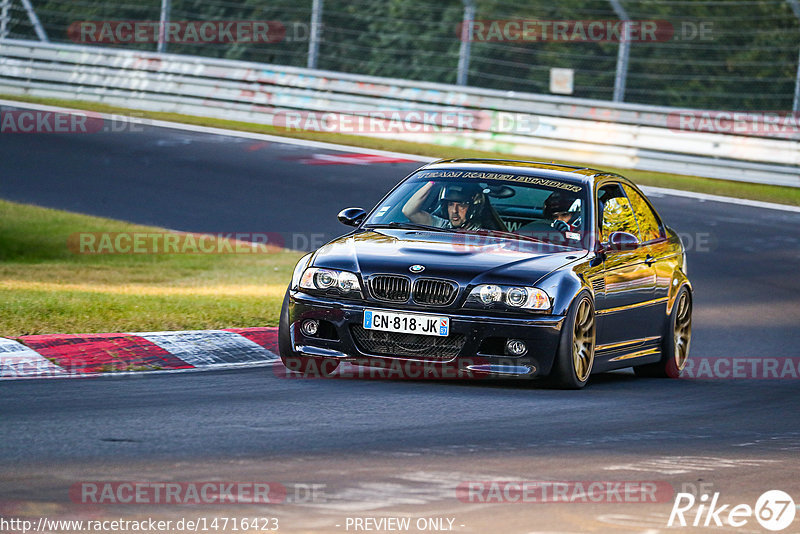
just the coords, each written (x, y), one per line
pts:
(416, 268)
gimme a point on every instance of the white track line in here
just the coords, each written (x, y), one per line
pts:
(717, 198)
(358, 150)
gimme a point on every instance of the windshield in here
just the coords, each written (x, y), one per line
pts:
(527, 207)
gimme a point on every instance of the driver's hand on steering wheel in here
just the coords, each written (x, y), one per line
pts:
(560, 225)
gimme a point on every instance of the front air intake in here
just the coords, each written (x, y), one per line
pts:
(433, 292)
(390, 288)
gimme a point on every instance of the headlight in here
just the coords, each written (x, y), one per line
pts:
(321, 279)
(489, 293)
(348, 282)
(513, 297)
(516, 296)
(326, 279)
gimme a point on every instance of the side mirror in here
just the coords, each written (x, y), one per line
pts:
(351, 216)
(622, 241)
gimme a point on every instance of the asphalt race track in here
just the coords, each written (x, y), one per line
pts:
(395, 448)
(190, 181)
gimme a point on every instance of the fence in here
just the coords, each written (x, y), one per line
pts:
(714, 54)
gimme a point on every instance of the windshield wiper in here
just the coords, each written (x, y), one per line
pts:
(407, 226)
(503, 233)
(492, 233)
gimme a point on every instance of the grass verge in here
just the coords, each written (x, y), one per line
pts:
(45, 287)
(766, 193)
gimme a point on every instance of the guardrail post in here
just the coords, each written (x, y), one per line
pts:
(37, 26)
(623, 53)
(466, 42)
(313, 34)
(162, 26)
(796, 100)
(5, 6)
(795, 5)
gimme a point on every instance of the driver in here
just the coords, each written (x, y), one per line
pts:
(556, 207)
(464, 205)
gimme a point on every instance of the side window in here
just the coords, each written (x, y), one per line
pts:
(615, 212)
(647, 219)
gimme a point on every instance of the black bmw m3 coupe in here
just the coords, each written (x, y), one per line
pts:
(498, 268)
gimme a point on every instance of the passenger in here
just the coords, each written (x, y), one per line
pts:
(556, 208)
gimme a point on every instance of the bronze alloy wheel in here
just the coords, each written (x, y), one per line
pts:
(583, 341)
(683, 330)
(674, 341)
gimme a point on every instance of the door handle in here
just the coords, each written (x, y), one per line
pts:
(649, 260)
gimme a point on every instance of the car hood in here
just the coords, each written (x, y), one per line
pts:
(462, 257)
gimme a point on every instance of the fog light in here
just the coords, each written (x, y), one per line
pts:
(310, 327)
(515, 347)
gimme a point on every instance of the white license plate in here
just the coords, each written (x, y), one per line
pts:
(406, 323)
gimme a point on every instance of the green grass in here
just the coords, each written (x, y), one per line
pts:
(767, 193)
(45, 287)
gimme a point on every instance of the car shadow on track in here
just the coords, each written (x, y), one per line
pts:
(615, 378)
(609, 380)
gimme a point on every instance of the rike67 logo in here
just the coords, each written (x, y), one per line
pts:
(774, 510)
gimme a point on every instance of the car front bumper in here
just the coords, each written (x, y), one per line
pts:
(480, 352)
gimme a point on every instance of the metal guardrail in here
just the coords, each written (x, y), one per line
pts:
(586, 131)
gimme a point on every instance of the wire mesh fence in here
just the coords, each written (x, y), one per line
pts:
(712, 54)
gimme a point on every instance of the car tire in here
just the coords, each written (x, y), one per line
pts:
(674, 342)
(575, 354)
(305, 365)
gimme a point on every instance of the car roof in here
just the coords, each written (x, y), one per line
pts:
(567, 173)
